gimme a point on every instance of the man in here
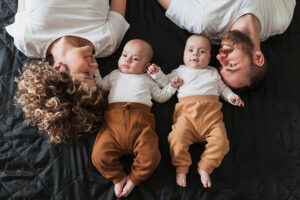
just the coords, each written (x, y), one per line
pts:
(239, 26)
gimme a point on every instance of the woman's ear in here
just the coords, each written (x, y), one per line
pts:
(259, 58)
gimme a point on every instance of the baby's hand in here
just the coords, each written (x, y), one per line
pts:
(237, 100)
(176, 82)
(153, 69)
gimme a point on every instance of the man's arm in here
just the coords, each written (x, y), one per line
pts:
(164, 3)
(118, 6)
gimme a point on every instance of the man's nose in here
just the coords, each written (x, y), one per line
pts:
(222, 59)
(223, 54)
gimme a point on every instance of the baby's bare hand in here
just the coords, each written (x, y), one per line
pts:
(237, 101)
(153, 69)
(176, 82)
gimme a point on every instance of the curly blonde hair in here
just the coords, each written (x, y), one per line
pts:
(57, 104)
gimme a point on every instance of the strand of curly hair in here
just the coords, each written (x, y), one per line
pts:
(57, 104)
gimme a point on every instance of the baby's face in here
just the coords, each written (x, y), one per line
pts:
(134, 58)
(197, 52)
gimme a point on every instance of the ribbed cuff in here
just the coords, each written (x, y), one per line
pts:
(182, 169)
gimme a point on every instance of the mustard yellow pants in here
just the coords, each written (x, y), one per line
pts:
(128, 129)
(198, 119)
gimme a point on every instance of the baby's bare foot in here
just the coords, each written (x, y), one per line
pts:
(128, 188)
(205, 178)
(119, 187)
(181, 179)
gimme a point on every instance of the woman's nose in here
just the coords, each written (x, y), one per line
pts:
(93, 62)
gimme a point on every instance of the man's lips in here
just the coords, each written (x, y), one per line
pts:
(226, 45)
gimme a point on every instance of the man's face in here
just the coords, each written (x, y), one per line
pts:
(134, 58)
(235, 62)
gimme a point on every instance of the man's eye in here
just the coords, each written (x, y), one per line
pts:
(86, 74)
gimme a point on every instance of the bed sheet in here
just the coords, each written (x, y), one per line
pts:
(264, 158)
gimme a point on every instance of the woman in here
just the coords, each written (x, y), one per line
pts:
(61, 98)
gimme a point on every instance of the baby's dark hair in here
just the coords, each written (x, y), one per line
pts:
(57, 104)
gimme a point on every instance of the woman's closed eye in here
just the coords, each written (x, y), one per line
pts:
(87, 75)
(232, 65)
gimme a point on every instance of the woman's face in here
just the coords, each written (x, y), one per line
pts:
(81, 64)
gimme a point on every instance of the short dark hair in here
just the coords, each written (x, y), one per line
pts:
(258, 74)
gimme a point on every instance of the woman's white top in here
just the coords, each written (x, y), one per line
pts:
(44, 21)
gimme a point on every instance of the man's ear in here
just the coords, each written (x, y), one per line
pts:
(146, 68)
(259, 58)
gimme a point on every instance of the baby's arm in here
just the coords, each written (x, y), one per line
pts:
(157, 75)
(237, 100)
(176, 82)
(162, 79)
(105, 85)
(161, 95)
(227, 94)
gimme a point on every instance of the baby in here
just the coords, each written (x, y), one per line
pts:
(129, 125)
(197, 116)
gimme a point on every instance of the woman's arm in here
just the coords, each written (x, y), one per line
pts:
(118, 6)
(21, 5)
(164, 3)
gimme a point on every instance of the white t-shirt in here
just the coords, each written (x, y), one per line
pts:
(196, 82)
(42, 22)
(135, 88)
(213, 18)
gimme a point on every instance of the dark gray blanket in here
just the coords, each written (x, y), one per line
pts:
(263, 162)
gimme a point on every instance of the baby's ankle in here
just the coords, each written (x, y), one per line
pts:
(181, 179)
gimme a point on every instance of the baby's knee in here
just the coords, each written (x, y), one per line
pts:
(224, 143)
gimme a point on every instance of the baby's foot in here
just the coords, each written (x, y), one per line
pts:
(119, 187)
(205, 178)
(181, 179)
(128, 188)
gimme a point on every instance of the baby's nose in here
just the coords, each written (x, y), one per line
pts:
(128, 59)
